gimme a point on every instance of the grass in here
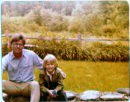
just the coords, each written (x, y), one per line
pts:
(102, 76)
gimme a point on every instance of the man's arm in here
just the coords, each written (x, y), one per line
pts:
(37, 61)
(4, 63)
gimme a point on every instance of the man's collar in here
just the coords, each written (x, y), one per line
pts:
(13, 57)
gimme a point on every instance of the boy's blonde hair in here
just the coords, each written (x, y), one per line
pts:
(50, 58)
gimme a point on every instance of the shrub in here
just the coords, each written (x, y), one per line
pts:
(72, 50)
(109, 28)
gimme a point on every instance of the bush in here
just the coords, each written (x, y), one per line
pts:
(72, 50)
(109, 28)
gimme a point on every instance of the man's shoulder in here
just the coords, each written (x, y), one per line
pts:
(30, 52)
(7, 55)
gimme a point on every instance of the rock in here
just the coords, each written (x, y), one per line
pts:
(113, 96)
(124, 91)
(17, 99)
(5, 96)
(70, 95)
(90, 95)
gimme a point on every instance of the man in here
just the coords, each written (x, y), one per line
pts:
(19, 63)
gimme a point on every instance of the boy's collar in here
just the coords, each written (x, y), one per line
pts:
(49, 73)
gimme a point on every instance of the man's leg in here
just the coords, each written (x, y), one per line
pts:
(11, 88)
(24, 89)
(35, 91)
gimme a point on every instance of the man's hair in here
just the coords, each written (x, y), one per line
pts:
(50, 58)
(17, 37)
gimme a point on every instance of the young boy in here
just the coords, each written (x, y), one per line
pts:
(51, 80)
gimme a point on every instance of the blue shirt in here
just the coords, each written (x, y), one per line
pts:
(22, 69)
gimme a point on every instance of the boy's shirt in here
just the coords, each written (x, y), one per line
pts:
(51, 82)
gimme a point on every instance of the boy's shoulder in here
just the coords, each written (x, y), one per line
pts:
(42, 73)
(60, 72)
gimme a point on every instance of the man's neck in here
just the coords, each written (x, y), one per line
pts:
(17, 55)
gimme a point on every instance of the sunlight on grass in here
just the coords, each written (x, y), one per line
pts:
(102, 76)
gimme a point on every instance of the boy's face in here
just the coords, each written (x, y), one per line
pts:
(50, 66)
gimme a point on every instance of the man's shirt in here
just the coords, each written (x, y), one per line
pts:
(22, 69)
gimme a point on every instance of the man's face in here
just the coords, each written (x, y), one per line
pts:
(17, 46)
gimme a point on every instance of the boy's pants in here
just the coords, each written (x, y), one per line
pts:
(61, 96)
(24, 89)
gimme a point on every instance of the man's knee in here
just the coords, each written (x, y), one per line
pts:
(9, 87)
(6, 85)
(34, 84)
(3, 82)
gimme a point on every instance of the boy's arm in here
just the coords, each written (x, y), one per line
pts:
(41, 82)
(60, 82)
(62, 73)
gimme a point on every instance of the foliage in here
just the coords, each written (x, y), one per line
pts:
(76, 25)
(106, 18)
(72, 50)
(18, 25)
(116, 18)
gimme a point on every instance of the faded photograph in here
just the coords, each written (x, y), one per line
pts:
(65, 51)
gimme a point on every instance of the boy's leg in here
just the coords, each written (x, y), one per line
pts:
(35, 91)
(44, 96)
(61, 96)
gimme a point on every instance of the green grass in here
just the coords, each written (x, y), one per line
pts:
(102, 76)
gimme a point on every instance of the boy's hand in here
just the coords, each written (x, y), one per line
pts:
(54, 92)
(51, 93)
